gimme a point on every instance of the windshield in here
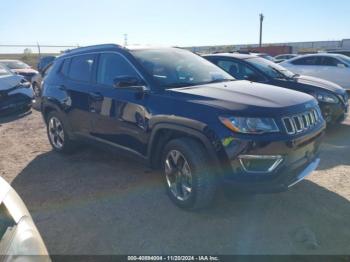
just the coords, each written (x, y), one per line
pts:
(270, 68)
(4, 71)
(345, 59)
(173, 67)
(16, 65)
(267, 57)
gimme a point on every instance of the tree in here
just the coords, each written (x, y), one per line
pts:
(27, 51)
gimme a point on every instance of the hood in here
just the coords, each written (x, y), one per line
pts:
(25, 71)
(318, 82)
(8, 82)
(241, 95)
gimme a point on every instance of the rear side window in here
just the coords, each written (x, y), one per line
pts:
(112, 66)
(311, 60)
(81, 67)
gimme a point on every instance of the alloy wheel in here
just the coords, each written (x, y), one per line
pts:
(56, 132)
(178, 175)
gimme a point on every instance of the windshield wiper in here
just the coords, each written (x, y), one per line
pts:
(179, 85)
(218, 81)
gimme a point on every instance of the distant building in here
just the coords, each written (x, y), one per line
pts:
(279, 48)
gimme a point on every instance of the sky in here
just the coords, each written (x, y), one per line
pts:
(165, 22)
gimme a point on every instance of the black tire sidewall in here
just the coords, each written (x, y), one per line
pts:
(195, 157)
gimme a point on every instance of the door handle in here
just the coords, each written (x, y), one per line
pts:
(96, 96)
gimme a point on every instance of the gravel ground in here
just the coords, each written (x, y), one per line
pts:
(94, 202)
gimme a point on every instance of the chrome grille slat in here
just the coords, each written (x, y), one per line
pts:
(301, 122)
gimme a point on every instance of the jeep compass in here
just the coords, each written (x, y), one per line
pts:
(180, 113)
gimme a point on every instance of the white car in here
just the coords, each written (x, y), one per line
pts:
(20, 239)
(284, 57)
(331, 67)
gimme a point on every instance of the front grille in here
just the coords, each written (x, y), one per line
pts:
(302, 122)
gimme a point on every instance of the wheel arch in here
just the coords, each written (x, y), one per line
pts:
(164, 132)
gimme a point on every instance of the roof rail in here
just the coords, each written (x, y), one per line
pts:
(87, 48)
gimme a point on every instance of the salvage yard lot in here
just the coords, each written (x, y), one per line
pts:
(94, 202)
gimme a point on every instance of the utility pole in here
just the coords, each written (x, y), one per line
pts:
(39, 49)
(261, 29)
(125, 39)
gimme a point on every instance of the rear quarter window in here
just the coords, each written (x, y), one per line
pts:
(65, 67)
(81, 67)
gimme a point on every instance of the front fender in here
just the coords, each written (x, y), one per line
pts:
(192, 128)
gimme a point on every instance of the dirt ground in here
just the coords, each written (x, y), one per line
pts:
(94, 202)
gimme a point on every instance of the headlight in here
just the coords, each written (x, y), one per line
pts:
(249, 125)
(24, 84)
(328, 98)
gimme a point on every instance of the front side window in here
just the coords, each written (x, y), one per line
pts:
(173, 67)
(239, 70)
(269, 68)
(112, 66)
(81, 68)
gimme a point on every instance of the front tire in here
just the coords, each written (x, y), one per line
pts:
(188, 180)
(57, 134)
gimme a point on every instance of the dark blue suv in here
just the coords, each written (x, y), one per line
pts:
(177, 111)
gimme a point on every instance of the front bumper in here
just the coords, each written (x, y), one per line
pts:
(333, 113)
(282, 183)
(300, 158)
(15, 103)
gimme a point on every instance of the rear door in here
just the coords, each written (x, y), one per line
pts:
(78, 72)
(120, 116)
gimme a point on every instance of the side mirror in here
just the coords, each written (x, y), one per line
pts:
(341, 65)
(127, 82)
(130, 83)
(252, 78)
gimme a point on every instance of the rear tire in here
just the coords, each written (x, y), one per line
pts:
(189, 182)
(57, 134)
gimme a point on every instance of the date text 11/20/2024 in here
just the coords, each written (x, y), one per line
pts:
(173, 258)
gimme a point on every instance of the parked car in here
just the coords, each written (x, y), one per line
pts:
(332, 98)
(284, 57)
(20, 68)
(20, 239)
(263, 55)
(38, 78)
(44, 62)
(177, 111)
(16, 93)
(331, 67)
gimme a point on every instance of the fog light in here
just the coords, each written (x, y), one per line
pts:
(260, 163)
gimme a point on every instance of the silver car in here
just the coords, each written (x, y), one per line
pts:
(20, 239)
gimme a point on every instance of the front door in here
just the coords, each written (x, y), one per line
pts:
(120, 115)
